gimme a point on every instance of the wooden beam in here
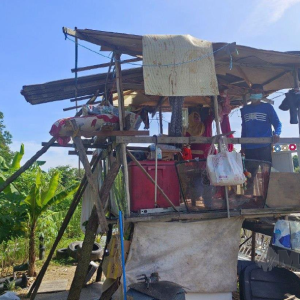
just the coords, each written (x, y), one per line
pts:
(258, 66)
(89, 175)
(76, 153)
(117, 58)
(201, 140)
(92, 100)
(276, 77)
(29, 163)
(106, 65)
(88, 134)
(81, 98)
(183, 216)
(119, 84)
(79, 106)
(244, 76)
(90, 233)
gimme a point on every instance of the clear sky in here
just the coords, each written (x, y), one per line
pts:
(33, 49)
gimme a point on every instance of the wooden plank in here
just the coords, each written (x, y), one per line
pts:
(106, 65)
(202, 140)
(76, 153)
(89, 175)
(284, 190)
(151, 139)
(275, 77)
(88, 134)
(181, 216)
(53, 286)
(244, 76)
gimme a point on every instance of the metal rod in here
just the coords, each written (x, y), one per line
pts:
(123, 255)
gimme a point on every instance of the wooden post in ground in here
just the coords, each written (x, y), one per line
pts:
(90, 233)
(35, 286)
(27, 164)
(117, 57)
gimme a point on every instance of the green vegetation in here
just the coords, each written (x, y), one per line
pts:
(34, 204)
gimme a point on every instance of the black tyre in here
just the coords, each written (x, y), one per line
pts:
(73, 249)
(97, 252)
(62, 253)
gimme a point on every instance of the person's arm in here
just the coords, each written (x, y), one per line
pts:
(276, 124)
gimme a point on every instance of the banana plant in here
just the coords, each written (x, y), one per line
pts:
(38, 201)
(15, 165)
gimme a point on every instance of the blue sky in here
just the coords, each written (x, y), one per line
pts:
(33, 49)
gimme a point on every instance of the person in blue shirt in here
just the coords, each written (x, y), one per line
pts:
(258, 118)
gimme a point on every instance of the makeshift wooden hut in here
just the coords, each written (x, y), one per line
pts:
(185, 241)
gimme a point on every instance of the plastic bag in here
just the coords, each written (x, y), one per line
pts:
(282, 234)
(225, 168)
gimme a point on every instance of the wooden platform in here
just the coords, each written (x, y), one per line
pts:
(53, 286)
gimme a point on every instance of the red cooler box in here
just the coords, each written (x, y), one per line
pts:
(142, 190)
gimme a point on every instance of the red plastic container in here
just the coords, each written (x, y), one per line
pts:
(142, 190)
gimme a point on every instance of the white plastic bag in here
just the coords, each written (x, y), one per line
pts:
(225, 168)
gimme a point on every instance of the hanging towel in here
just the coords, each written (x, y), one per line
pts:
(185, 66)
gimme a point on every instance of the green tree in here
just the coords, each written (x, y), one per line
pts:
(12, 214)
(5, 141)
(295, 161)
(39, 200)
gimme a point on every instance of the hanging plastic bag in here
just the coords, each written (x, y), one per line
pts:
(225, 168)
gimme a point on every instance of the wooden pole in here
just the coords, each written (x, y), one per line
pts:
(160, 120)
(151, 179)
(89, 175)
(36, 284)
(105, 65)
(217, 120)
(253, 246)
(14, 176)
(90, 234)
(121, 108)
(296, 85)
(117, 57)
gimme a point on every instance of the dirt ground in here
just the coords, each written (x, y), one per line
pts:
(57, 272)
